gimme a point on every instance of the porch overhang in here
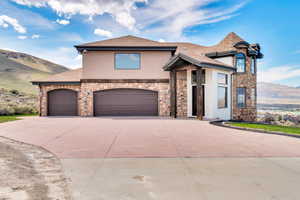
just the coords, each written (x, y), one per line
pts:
(181, 59)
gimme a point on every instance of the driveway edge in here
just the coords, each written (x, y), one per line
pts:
(43, 176)
(221, 123)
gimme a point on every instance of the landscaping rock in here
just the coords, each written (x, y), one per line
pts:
(30, 173)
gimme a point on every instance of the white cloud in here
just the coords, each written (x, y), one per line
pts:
(120, 10)
(26, 17)
(171, 19)
(30, 3)
(35, 36)
(63, 21)
(158, 18)
(278, 73)
(102, 32)
(6, 20)
(4, 25)
(22, 37)
(161, 40)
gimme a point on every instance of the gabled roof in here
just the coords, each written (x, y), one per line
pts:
(197, 60)
(197, 54)
(126, 43)
(128, 40)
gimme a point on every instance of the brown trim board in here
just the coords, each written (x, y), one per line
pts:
(125, 80)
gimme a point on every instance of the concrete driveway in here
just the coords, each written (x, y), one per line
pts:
(145, 137)
(165, 159)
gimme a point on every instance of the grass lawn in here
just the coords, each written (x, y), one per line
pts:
(267, 127)
(13, 117)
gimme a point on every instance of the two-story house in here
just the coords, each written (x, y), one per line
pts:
(133, 76)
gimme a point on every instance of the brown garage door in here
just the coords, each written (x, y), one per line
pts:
(125, 102)
(62, 102)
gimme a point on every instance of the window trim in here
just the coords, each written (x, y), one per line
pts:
(253, 60)
(237, 98)
(245, 65)
(226, 82)
(140, 61)
(224, 86)
(226, 96)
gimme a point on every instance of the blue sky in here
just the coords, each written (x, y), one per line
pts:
(50, 28)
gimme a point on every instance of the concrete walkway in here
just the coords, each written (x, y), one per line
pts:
(165, 159)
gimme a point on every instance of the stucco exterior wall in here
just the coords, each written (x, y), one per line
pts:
(227, 60)
(216, 112)
(101, 65)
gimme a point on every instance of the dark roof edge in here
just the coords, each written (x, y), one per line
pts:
(241, 44)
(220, 54)
(195, 62)
(126, 48)
(55, 82)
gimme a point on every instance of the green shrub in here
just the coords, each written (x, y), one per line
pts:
(14, 109)
(24, 109)
(6, 110)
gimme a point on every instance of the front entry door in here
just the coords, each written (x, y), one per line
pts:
(194, 93)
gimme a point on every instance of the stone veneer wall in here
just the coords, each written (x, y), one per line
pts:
(87, 90)
(44, 89)
(248, 81)
(85, 95)
(182, 93)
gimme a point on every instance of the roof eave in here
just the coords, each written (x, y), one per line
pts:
(125, 48)
(221, 54)
(55, 82)
(195, 62)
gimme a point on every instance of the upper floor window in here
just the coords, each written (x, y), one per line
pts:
(127, 61)
(240, 62)
(253, 65)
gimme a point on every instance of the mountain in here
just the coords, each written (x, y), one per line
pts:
(271, 93)
(18, 69)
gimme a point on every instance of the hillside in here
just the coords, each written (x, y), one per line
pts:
(270, 93)
(18, 69)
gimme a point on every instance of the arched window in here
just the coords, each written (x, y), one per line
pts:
(240, 62)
